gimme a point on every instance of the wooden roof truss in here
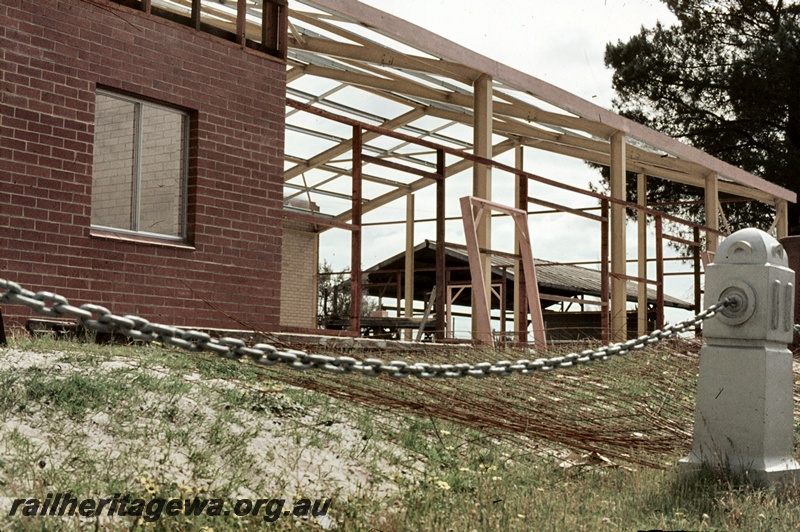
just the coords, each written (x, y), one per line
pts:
(351, 59)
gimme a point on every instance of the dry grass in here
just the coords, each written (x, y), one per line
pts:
(589, 448)
(631, 409)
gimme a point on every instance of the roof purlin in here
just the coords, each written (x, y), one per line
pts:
(437, 46)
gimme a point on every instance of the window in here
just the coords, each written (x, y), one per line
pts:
(140, 161)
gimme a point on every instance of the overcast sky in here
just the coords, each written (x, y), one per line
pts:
(562, 43)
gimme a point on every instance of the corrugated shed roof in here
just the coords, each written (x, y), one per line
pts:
(556, 279)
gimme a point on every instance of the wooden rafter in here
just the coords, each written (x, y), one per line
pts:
(598, 120)
(384, 57)
(362, 46)
(347, 145)
(419, 184)
(418, 90)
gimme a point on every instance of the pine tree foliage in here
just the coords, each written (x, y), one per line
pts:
(726, 79)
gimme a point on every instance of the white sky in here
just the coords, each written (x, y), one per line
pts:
(562, 43)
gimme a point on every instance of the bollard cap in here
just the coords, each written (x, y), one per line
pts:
(751, 246)
(752, 267)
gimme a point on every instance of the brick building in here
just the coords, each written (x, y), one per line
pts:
(152, 151)
(141, 163)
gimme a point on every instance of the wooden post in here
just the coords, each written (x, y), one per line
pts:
(698, 292)
(481, 321)
(449, 333)
(712, 210)
(274, 23)
(146, 6)
(605, 326)
(659, 272)
(441, 256)
(782, 219)
(502, 296)
(398, 285)
(283, 29)
(482, 179)
(355, 238)
(641, 221)
(241, 22)
(196, 14)
(619, 292)
(425, 315)
(528, 267)
(531, 282)
(408, 295)
(520, 298)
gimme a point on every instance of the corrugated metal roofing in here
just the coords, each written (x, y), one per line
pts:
(564, 280)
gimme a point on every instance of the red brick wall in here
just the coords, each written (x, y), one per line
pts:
(53, 55)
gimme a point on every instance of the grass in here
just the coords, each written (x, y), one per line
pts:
(394, 455)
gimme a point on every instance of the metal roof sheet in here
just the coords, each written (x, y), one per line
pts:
(555, 279)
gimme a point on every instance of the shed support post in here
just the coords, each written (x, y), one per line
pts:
(481, 312)
(482, 183)
(241, 23)
(744, 419)
(605, 326)
(659, 272)
(408, 295)
(619, 295)
(355, 238)
(528, 267)
(274, 24)
(520, 300)
(441, 256)
(782, 218)
(195, 16)
(641, 248)
(503, 309)
(712, 210)
(698, 291)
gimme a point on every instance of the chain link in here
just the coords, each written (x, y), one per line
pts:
(98, 318)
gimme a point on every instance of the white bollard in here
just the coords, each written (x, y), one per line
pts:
(744, 416)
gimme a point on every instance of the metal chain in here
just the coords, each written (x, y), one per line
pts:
(98, 318)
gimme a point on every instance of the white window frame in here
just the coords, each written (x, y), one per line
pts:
(139, 104)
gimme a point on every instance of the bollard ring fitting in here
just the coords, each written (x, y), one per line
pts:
(743, 303)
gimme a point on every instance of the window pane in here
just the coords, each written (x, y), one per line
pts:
(112, 178)
(161, 171)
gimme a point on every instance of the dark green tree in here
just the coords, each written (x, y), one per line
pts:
(726, 79)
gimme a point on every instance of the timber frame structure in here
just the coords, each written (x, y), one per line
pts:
(355, 49)
(378, 109)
